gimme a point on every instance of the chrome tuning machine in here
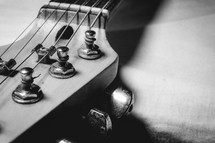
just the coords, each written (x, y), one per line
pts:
(99, 121)
(121, 102)
(116, 103)
(27, 92)
(64, 141)
(90, 50)
(62, 68)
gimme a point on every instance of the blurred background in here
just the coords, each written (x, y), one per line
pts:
(167, 58)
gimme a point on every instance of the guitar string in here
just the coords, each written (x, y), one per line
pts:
(95, 4)
(58, 21)
(100, 12)
(25, 46)
(20, 34)
(34, 50)
(69, 23)
(36, 32)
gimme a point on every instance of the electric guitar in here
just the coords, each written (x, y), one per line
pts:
(62, 55)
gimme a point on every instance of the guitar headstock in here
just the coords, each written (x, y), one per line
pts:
(65, 56)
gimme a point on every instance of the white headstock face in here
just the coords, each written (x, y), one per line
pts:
(67, 74)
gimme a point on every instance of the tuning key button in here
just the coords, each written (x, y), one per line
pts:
(99, 121)
(62, 68)
(121, 102)
(89, 50)
(27, 92)
(64, 141)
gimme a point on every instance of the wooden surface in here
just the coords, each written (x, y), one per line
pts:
(167, 56)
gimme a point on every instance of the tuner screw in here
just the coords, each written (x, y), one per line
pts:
(27, 92)
(89, 50)
(62, 68)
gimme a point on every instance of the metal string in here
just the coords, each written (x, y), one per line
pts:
(43, 41)
(15, 69)
(25, 46)
(70, 22)
(20, 35)
(36, 32)
(58, 21)
(94, 21)
(95, 4)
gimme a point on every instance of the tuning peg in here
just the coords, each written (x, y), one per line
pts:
(89, 50)
(114, 104)
(64, 141)
(98, 126)
(121, 102)
(62, 68)
(99, 121)
(27, 91)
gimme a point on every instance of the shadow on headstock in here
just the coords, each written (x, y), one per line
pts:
(65, 56)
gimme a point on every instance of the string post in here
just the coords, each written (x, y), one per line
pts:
(6, 66)
(27, 92)
(62, 69)
(89, 50)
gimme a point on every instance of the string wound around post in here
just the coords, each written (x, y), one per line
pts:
(90, 50)
(27, 92)
(62, 69)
